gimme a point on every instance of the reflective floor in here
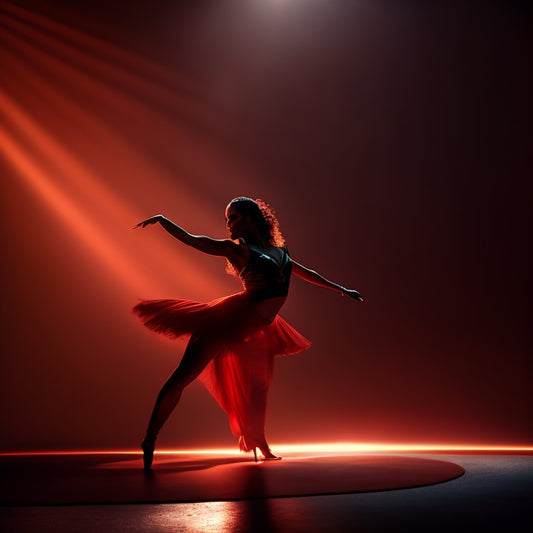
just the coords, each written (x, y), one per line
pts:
(494, 494)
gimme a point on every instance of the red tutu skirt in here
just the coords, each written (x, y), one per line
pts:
(244, 346)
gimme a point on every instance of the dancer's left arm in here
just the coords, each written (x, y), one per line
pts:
(311, 276)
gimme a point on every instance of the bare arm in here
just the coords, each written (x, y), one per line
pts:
(316, 279)
(221, 247)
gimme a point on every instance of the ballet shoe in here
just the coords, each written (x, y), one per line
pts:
(148, 454)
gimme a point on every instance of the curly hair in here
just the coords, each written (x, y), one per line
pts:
(264, 217)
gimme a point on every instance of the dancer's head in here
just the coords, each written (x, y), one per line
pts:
(253, 220)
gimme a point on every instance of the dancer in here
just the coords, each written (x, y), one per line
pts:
(232, 340)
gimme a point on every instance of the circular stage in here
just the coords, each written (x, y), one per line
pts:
(98, 478)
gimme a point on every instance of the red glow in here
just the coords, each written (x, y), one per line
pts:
(66, 183)
(317, 448)
(73, 216)
(103, 126)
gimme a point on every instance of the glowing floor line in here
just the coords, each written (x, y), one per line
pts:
(307, 448)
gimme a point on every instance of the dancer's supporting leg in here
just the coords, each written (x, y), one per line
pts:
(200, 350)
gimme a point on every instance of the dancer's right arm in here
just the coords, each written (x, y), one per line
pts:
(221, 247)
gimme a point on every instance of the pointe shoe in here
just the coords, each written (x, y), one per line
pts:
(148, 453)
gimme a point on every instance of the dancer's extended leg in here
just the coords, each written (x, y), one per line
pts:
(198, 353)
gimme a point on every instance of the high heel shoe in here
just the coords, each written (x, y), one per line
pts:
(269, 456)
(148, 447)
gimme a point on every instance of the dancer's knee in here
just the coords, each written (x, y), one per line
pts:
(176, 382)
(195, 358)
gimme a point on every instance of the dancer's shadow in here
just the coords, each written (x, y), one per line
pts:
(199, 463)
(168, 465)
(256, 514)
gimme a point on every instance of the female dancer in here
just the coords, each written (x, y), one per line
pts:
(233, 340)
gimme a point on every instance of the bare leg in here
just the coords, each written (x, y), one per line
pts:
(254, 432)
(198, 353)
(259, 408)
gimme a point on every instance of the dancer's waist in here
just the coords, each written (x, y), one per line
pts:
(269, 308)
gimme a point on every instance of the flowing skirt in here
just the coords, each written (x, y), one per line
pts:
(240, 372)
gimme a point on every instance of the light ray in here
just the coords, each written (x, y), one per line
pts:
(76, 194)
(85, 194)
(74, 217)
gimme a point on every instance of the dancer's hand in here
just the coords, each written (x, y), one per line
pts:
(352, 294)
(152, 220)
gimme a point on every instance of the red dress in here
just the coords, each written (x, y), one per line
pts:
(243, 340)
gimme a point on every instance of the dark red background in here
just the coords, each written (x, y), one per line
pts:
(392, 138)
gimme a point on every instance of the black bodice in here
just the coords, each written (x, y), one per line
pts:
(266, 276)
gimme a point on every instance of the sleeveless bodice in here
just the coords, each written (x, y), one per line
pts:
(265, 276)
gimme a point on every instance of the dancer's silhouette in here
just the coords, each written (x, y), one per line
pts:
(232, 340)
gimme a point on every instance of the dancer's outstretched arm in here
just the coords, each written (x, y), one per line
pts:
(316, 279)
(207, 245)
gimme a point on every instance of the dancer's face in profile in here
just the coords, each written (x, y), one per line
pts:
(238, 225)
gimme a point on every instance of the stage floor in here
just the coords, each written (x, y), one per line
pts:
(494, 493)
(118, 478)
